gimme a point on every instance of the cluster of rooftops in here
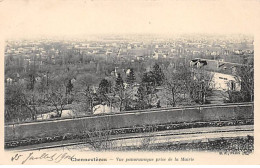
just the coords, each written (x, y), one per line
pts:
(215, 65)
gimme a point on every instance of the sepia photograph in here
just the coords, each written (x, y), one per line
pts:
(129, 82)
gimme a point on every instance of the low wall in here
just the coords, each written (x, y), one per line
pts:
(129, 119)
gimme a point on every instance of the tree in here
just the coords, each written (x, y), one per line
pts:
(104, 87)
(245, 76)
(122, 97)
(148, 79)
(142, 98)
(119, 82)
(86, 98)
(19, 104)
(118, 95)
(86, 79)
(158, 74)
(119, 91)
(56, 96)
(201, 86)
(146, 91)
(130, 79)
(85, 93)
(32, 81)
(69, 87)
(176, 85)
(182, 85)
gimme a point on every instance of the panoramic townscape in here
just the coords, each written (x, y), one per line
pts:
(114, 74)
(51, 79)
(111, 82)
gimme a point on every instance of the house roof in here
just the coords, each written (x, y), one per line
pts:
(219, 66)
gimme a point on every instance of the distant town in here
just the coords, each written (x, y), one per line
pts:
(61, 78)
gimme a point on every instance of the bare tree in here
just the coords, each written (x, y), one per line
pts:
(56, 97)
(86, 98)
(201, 85)
(125, 97)
(176, 84)
(20, 105)
(182, 85)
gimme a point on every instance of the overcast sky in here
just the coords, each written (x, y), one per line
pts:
(29, 18)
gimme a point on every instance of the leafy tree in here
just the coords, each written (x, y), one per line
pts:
(69, 87)
(158, 74)
(119, 82)
(148, 79)
(130, 79)
(104, 87)
(245, 76)
(149, 83)
(142, 96)
(146, 91)
(31, 81)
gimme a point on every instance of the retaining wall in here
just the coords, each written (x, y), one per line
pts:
(128, 119)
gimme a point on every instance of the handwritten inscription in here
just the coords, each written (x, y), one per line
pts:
(44, 156)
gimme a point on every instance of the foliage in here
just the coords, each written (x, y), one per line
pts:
(130, 79)
(119, 82)
(157, 74)
(104, 87)
(69, 87)
(245, 76)
(149, 79)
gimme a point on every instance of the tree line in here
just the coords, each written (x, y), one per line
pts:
(160, 86)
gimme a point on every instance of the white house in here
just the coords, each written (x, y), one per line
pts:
(225, 82)
(222, 73)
